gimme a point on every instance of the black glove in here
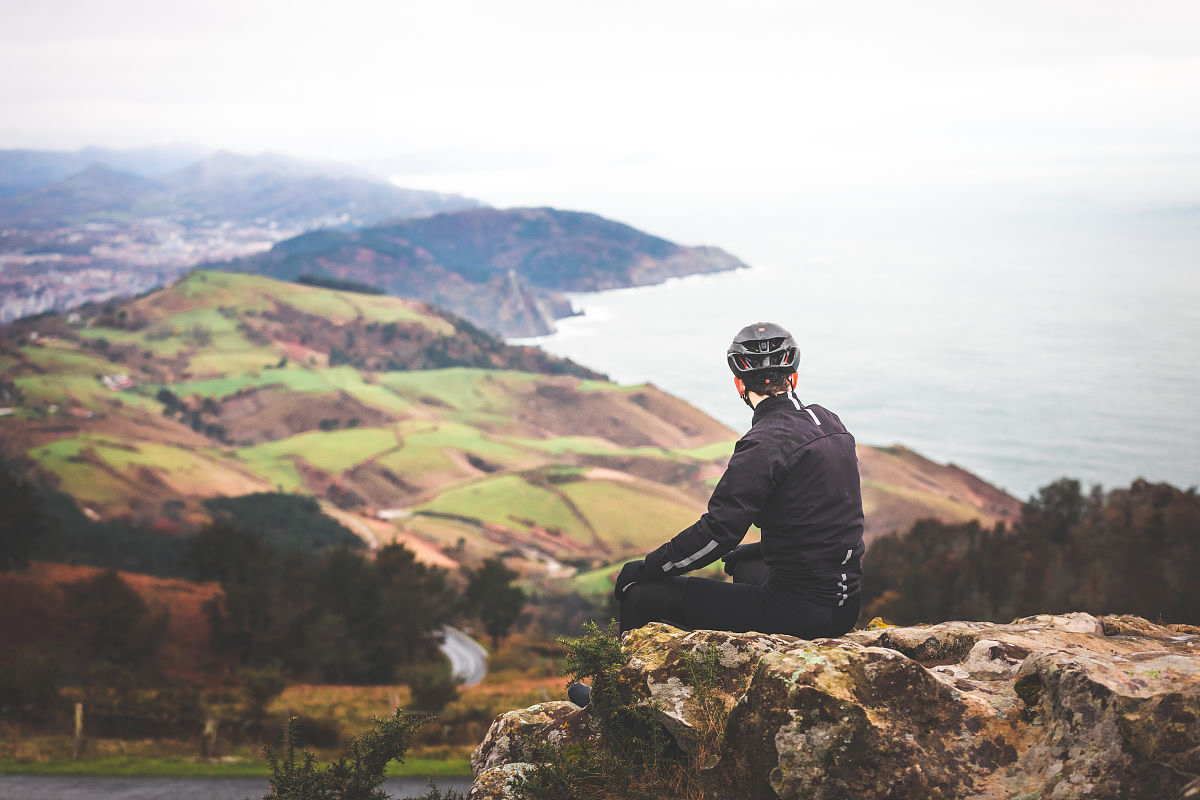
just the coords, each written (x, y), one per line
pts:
(741, 553)
(633, 572)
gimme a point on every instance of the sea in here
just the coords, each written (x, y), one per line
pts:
(1019, 352)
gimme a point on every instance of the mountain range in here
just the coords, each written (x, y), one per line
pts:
(223, 186)
(407, 423)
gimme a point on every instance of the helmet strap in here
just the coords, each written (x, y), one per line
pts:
(742, 391)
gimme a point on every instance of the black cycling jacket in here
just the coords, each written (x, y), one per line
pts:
(794, 475)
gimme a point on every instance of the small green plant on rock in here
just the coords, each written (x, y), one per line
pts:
(711, 713)
(358, 775)
(625, 752)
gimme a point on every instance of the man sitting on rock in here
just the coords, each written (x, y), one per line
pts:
(794, 475)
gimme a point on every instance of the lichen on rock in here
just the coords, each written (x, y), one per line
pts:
(1052, 706)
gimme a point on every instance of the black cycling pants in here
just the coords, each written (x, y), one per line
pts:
(741, 606)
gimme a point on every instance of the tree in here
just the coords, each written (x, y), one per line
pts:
(22, 521)
(418, 601)
(1057, 507)
(259, 688)
(492, 597)
(111, 624)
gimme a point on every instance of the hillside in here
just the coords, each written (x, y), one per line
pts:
(407, 423)
(503, 269)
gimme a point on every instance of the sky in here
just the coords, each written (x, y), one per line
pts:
(667, 114)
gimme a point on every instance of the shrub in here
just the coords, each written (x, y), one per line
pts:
(357, 775)
(432, 684)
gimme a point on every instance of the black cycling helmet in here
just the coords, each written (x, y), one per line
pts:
(762, 347)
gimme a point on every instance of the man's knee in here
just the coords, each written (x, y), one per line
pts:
(640, 599)
(653, 601)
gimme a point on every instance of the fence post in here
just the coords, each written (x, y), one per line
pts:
(208, 741)
(77, 749)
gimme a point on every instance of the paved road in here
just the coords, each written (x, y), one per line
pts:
(80, 787)
(468, 659)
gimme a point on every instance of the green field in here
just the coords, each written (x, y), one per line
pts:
(200, 471)
(336, 306)
(89, 484)
(206, 318)
(252, 292)
(597, 581)
(392, 309)
(423, 449)
(588, 445)
(504, 497)
(463, 388)
(376, 396)
(298, 379)
(82, 390)
(628, 516)
(63, 361)
(245, 292)
(708, 452)
(332, 451)
(279, 471)
(224, 361)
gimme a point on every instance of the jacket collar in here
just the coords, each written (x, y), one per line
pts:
(775, 404)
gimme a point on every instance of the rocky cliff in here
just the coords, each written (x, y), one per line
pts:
(1068, 706)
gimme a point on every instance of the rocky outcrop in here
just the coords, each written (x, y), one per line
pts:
(1069, 706)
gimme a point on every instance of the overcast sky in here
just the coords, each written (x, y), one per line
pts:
(645, 106)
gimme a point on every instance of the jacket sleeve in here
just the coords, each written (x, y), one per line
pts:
(739, 498)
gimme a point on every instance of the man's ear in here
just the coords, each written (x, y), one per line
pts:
(740, 385)
(795, 376)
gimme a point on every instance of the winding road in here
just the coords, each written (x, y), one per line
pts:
(468, 659)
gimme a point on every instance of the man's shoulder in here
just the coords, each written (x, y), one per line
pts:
(825, 414)
(798, 428)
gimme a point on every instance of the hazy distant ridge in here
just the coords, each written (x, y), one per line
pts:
(222, 186)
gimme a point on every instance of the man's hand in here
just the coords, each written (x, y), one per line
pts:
(633, 572)
(741, 553)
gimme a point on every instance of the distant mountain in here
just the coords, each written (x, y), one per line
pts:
(96, 194)
(502, 269)
(222, 187)
(282, 190)
(24, 170)
(406, 422)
